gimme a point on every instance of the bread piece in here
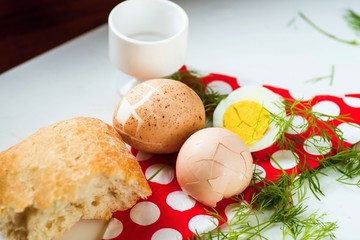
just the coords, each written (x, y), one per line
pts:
(75, 169)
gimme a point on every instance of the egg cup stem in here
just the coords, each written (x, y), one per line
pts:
(125, 86)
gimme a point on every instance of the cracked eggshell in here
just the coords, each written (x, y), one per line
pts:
(157, 116)
(214, 163)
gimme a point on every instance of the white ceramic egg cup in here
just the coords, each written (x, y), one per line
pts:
(147, 39)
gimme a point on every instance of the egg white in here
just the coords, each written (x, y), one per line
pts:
(266, 98)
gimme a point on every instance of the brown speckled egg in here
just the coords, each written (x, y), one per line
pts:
(158, 115)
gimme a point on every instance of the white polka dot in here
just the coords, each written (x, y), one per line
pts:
(351, 132)
(231, 210)
(220, 87)
(128, 146)
(145, 213)
(303, 95)
(284, 159)
(143, 156)
(114, 229)
(357, 146)
(202, 224)
(260, 173)
(180, 201)
(352, 101)
(160, 173)
(298, 125)
(317, 145)
(166, 234)
(328, 108)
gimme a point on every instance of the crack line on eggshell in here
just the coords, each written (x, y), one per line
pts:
(202, 160)
(145, 97)
(211, 186)
(208, 180)
(146, 142)
(230, 150)
(127, 110)
(246, 166)
(235, 152)
(131, 108)
(220, 144)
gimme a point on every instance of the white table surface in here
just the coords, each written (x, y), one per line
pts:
(260, 42)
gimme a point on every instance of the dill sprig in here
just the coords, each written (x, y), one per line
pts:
(353, 20)
(346, 162)
(322, 31)
(320, 124)
(208, 96)
(329, 77)
(289, 216)
(280, 204)
(342, 159)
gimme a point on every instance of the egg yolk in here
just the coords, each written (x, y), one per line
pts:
(248, 119)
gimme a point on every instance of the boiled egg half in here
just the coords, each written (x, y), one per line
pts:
(247, 112)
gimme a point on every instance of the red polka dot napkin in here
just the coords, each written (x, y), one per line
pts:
(170, 214)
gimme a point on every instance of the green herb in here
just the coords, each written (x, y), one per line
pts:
(291, 22)
(158, 171)
(280, 204)
(353, 20)
(343, 160)
(317, 121)
(208, 96)
(346, 162)
(332, 36)
(330, 77)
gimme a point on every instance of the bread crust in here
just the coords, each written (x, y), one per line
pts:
(54, 163)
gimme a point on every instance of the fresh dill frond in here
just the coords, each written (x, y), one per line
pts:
(346, 162)
(318, 123)
(353, 20)
(287, 214)
(191, 79)
(209, 97)
(291, 22)
(314, 227)
(329, 77)
(320, 128)
(275, 194)
(322, 31)
(281, 204)
(310, 178)
(158, 171)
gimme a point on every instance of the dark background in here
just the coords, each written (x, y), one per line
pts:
(31, 27)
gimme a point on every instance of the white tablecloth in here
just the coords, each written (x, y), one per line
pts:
(260, 42)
